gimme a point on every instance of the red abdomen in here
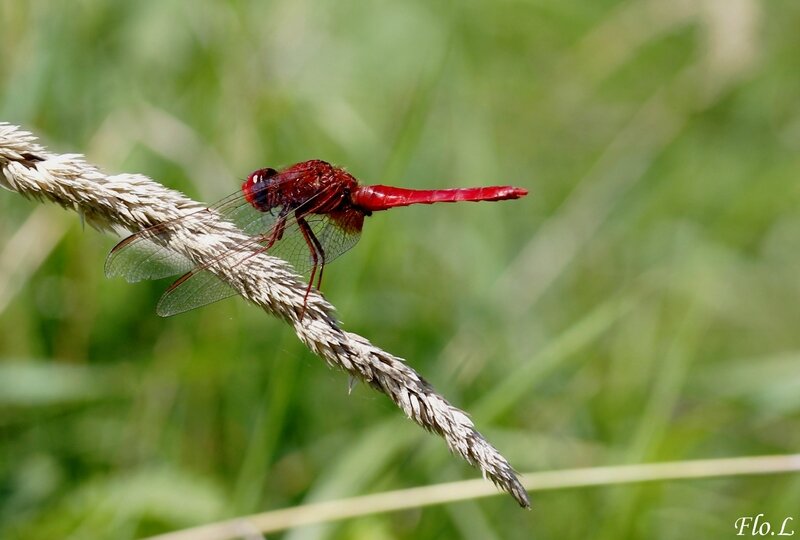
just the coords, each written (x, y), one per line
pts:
(374, 198)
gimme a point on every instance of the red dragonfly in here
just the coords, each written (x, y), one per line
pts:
(308, 214)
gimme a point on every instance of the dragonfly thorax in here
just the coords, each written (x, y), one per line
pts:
(312, 187)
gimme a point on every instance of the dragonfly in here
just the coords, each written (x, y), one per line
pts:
(307, 214)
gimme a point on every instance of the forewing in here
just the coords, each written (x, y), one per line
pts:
(138, 258)
(147, 254)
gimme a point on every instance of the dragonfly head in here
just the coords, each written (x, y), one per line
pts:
(255, 187)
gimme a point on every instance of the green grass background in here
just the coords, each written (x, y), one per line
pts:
(641, 304)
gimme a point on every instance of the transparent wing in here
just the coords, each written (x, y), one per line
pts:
(334, 233)
(193, 290)
(147, 254)
(144, 259)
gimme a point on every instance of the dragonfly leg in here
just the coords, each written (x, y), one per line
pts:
(313, 246)
(277, 232)
(321, 252)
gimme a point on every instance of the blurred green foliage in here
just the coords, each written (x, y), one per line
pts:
(642, 304)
